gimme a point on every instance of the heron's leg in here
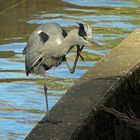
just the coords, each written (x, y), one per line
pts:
(47, 119)
(46, 95)
(68, 66)
(72, 70)
(79, 51)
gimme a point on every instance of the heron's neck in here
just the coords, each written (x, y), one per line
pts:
(67, 43)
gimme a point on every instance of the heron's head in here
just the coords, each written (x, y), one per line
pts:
(85, 35)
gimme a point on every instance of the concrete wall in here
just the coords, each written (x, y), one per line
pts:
(104, 104)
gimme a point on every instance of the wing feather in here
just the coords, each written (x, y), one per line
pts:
(36, 49)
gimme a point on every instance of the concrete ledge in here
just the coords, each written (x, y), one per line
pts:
(94, 107)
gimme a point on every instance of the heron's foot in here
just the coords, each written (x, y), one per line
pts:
(79, 53)
(79, 50)
(49, 120)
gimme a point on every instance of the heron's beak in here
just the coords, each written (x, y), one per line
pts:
(93, 43)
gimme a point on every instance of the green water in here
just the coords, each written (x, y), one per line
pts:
(22, 102)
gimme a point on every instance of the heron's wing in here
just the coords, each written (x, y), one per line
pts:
(31, 50)
(49, 56)
(55, 31)
(35, 48)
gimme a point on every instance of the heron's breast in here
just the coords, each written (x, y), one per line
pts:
(52, 62)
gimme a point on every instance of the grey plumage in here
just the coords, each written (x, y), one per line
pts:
(48, 46)
(34, 45)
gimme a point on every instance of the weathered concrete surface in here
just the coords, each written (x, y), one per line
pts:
(113, 82)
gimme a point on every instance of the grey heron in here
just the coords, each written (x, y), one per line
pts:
(48, 46)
